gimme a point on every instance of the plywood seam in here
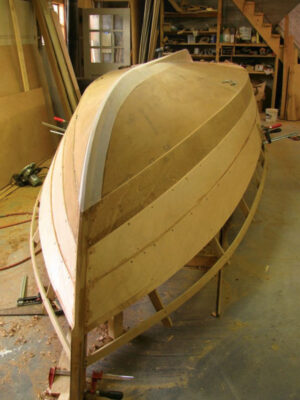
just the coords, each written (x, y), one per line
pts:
(186, 213)
(178, 144)
(190, 292)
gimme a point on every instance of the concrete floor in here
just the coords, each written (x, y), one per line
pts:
(251, 353)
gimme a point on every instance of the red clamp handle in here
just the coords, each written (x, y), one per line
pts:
(96, 376)
(278, 125)
(51, 376)
(59, 119)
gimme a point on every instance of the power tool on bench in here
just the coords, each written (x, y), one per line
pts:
(28, 176)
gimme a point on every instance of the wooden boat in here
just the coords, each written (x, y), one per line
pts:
(155, 160)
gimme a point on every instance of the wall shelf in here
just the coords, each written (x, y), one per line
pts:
(203, 14)
(246, 56)
(190, 33)
(244, 44)
(191, 44)
(189, 27)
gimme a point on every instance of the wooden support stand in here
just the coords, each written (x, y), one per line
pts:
(158, 305)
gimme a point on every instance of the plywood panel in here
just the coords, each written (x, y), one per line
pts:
(26, 23)
(154, 264)
(10, 75)
(293, 94)
(23, 138)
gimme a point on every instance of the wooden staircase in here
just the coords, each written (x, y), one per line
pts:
(256, 19)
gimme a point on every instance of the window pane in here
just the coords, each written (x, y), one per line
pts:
(95, 56)
(94, 22)
(95, 38)
(118, 38)
(107, 55)
(106, 39)
(106, 22)
(61, 14)
(119, 56)
(118, 22)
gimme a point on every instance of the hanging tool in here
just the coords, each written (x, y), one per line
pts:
(58, 119)
(56, 128)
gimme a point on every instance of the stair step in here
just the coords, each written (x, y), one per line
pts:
(259, 14)
(258, 18)
(276, 35)
(249, 8)
(267, 25)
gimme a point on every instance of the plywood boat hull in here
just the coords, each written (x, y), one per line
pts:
(153, 163)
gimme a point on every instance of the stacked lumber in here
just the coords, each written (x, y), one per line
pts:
(150, 30)
(58, 56)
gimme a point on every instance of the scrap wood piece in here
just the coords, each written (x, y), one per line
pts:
(52, 59)
(115, 326)
(154, 30)
(71, 92)
(145, 31)
(68, 92)
(18, 40)
(66, 54)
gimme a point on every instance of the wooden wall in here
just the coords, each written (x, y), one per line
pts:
(22, 107)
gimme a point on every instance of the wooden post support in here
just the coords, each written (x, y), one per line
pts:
(219, 293)
(219, 23)
(78, 333)
(275, 78)
(244, 207)
(18, 39)
(219, 248)
(115, 326)
(158, 305)
(285, 66)
(161, 24)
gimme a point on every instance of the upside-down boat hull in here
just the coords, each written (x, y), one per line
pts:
(153, 163)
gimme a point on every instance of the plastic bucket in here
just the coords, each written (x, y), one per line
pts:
(271, 115)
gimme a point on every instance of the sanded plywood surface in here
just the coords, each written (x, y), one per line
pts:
(23, 138)
(146, 255)
(10, 75)
(25, 19)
